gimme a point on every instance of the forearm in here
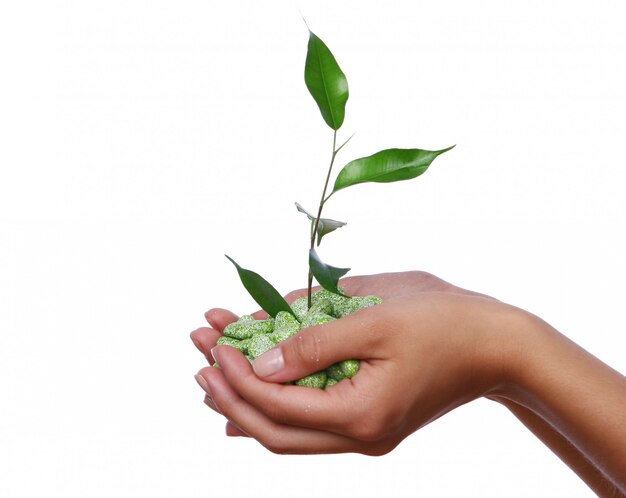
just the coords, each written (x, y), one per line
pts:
(563, 448)
(577, 395)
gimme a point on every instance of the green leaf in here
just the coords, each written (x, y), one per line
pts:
(326, 225)
(326, 82)
(265, 295)
(327, 276)
(391, 165)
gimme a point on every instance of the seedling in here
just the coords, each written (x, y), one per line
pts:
(329, 88)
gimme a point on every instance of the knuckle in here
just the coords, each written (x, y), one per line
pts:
(392, 422)
(373, 321)
(274, 411)
(273, 447)
(423, 275)
(245, 380)
(366, 430)
(380, 448)
(276, 443)
(374, 424)
(428, 281)
(369, 428)
(307, 348)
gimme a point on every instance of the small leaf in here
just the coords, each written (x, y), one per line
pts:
(327, 276)
(326, 82)
(302, 210)
(265, 295)
(391, 165)
(326, 225)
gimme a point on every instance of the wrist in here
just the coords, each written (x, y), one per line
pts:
(516, 338)
(567, 397)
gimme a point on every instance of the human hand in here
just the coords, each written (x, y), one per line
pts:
(384, 285)
(427, 349)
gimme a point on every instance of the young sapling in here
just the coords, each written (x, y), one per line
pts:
(328, 86)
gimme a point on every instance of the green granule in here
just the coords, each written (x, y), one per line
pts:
(244, 329)
(236, 343)
(335, 372)
(312, 319)
(300, 308)
(285, 326)
(259, 344)
(228, 341)
(317, 379)
(349, 367)
(357, 303)
(321, 307)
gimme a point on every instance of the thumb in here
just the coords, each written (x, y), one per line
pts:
(313, 349)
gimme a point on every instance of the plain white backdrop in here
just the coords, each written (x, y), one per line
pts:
(142, 140)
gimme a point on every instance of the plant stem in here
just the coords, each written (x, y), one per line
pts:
(319, 211)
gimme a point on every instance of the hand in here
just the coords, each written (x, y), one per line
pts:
(389, 285)
(427, 349)
(384, 285)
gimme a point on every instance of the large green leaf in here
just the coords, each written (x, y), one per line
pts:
(265, 295)
(327, 276)
(326, 82)
(391, 165)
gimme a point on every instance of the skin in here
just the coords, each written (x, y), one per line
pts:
(429, 348)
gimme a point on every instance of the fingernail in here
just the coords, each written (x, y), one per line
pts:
(269, 363)
(215, 354)
(203, 383)
(208, 401)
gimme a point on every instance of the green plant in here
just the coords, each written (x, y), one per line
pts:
(329, 88)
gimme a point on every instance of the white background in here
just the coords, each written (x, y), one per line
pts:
(142, 140)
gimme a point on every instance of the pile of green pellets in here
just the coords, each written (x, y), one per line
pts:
(255, 337)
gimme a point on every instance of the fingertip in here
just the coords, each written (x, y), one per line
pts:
(232, 361)
(269, 363)
(219, 318)
(204, 339)
(216, 353)
(201, 380)
(315, 348)
(260, 315)
(208, 401)
(233, 431)
(194, 339)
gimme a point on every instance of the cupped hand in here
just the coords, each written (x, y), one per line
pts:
(427, 349)
(389, 285)
(384, 285)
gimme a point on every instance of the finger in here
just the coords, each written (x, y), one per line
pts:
(204, 339)
(260, 315)
(356, 336)
(330, 410)
(278, 438)
(233, 431)
(218, 318)
(211, 404)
